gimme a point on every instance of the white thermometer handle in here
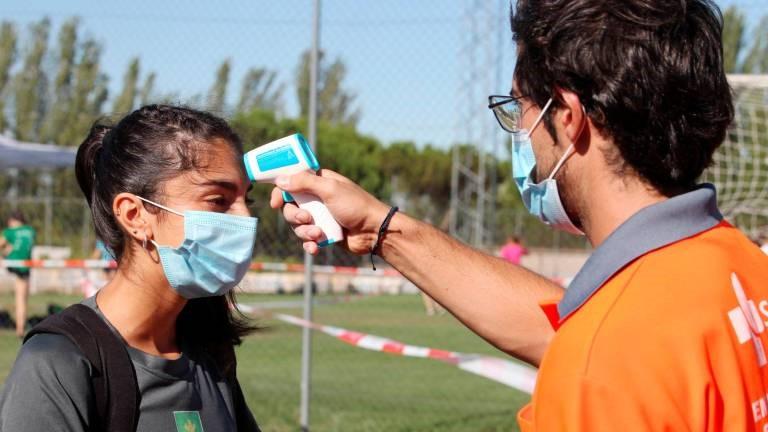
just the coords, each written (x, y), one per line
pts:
(322, 217)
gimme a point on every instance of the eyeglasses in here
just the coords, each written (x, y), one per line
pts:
(508, 111)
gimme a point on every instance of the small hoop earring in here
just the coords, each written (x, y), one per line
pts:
(144, 242)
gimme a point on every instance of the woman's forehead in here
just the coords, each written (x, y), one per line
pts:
(218, 163)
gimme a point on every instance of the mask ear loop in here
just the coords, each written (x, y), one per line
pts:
(571, 148)
(541, 116)
(160, 206)
(144, 242)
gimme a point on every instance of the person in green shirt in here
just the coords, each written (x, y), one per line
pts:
(16, 244)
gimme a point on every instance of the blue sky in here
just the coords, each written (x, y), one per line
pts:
(403, 56)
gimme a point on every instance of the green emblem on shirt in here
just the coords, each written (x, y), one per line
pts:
(188, 421)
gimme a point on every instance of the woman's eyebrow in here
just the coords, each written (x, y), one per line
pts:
(225, 184)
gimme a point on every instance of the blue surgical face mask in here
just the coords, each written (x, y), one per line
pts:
(541, 199)
(214, 256)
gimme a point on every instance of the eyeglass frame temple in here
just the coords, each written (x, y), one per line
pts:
(507, 100)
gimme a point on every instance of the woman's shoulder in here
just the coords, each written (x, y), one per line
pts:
(46, 353)
(51, 375)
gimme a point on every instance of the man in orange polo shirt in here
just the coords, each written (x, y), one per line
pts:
(616, 109)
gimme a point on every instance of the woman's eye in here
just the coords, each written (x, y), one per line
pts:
(218, 201)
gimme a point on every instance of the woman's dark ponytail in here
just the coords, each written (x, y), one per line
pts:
(87, 156)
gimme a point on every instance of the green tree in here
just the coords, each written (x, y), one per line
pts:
(735, 59)
(145, 95)
(334, 101)
(733, 38)
(124, 102)
(8, 39)
(87, 95)
(260, 91)
(30, 85)
(218, 94)
(61, 97)
(756, 60)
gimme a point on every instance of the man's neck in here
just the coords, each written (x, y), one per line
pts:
(611, 203)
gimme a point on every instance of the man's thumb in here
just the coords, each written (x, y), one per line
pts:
(304, 182)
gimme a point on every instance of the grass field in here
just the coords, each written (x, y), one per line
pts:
(354, 389)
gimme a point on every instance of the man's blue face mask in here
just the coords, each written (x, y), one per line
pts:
(541, 199)
(214, 256)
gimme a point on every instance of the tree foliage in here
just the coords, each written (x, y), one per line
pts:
(260, 90)
(30, 84)
(335, 103)
(8, 39)
(125, 101)
(218, 94)
(743, 53)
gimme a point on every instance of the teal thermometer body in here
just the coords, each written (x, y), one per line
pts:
(287, 156)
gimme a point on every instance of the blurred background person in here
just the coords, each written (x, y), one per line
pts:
(102, 252)
(513, 250)
(16, 244)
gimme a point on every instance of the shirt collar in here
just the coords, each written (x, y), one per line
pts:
(649, 229)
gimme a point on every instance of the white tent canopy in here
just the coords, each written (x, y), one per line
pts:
(17, 154)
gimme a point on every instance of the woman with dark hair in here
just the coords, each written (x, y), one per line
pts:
(167, 191)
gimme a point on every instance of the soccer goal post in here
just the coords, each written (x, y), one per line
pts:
(740, 165)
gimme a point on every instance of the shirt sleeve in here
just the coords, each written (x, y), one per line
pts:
(49, 388)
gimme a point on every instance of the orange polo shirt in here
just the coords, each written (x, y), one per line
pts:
(669, 336)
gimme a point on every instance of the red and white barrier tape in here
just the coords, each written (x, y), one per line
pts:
(512, 374)
(257, 266)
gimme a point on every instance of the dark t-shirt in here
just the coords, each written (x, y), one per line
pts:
(49, 389)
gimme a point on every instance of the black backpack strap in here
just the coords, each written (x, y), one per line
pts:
(116, 391)
(226, 363)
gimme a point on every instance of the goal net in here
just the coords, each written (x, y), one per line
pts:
(740, 166)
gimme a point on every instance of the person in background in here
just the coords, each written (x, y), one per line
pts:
(16, 243)
(513, 250)
(102, 252)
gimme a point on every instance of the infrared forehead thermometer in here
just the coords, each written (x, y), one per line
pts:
(287, 156)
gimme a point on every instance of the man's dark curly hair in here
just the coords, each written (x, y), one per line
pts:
(648, 72)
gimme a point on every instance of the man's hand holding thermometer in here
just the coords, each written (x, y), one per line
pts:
(285, 157)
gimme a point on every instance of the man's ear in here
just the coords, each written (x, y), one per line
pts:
(571, 118)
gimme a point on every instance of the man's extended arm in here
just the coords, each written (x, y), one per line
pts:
(495, 299)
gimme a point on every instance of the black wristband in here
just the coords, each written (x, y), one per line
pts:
(382, 231)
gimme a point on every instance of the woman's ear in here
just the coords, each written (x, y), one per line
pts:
(132, 216)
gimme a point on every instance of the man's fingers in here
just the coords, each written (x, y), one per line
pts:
(308, 232)
(311, 247)
(296, 216)
(276, 199)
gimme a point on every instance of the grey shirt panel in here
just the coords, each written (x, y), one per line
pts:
(49, 387)
(649, 229)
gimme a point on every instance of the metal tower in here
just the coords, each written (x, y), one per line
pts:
(476, 137)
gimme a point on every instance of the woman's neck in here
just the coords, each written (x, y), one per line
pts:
(143, 310)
